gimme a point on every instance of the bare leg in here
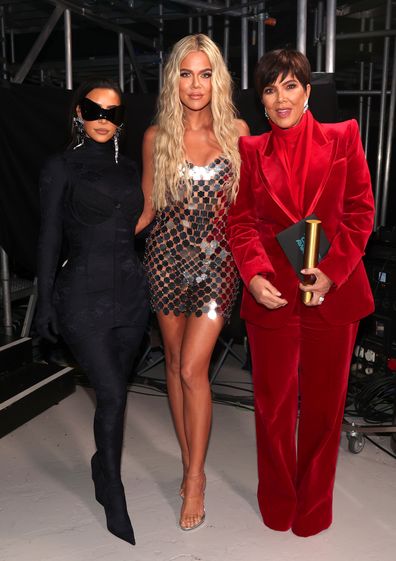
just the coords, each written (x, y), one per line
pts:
(200, 336)
(189, 343)
(172, 331)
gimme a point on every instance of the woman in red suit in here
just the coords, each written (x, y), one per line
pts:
(299, 168)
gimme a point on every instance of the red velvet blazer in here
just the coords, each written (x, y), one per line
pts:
(339, 192)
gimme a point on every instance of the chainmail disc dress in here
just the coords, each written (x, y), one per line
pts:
(188, 261)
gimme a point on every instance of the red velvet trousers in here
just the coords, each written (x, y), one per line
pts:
(311, 359)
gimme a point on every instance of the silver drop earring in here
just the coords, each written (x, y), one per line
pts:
(265, 112)
(78, 124)
(116, 144)
(116, 147)
(306, 106)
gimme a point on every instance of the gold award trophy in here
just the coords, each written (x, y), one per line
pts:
(311, 253)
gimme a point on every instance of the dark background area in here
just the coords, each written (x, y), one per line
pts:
(33, 120)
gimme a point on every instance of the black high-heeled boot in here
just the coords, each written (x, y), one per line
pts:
(97, 478)
(111, 496)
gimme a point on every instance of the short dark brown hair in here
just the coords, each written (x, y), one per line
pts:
(281, 63)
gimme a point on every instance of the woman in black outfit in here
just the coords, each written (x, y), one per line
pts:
(90, 203)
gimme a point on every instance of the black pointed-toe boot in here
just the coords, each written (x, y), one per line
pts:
(111, 495)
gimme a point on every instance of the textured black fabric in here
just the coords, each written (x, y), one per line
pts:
(107, 358)
(90, 206)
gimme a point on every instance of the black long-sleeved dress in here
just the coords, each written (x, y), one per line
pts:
(90, 206)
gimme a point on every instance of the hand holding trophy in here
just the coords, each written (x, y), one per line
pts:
(311, 254)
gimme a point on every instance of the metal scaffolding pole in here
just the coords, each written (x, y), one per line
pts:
(3, 44)
(210, 23)
(226, 46)
(378, 209)
(38, 45)
(302, 26)
(101, 22)
(12, 46)
(388, 151)
(367, 34)
(370, 87)
(6, 292)
(135, 64)
(260, 31)
(365, 93)
(319, 32)
(121, 61)
(68, 50)
(244, 47)
(361, 77)
(215, 7)
(131, 79)
(331, 8)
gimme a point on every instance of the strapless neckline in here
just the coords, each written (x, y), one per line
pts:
(211, 164)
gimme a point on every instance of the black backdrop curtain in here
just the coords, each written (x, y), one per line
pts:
(33, 125)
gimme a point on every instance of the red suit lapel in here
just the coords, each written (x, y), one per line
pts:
(322, 158)
(274, 177)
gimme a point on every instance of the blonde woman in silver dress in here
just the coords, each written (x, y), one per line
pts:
(191, 171)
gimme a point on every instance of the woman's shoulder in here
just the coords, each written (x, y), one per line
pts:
(345, 133)
(56, 161)
(242, 127)
(150, 133)
(54, 175)
(128, 162)
(149, 141)
(253, 142)
(342, 128)
(69, 154)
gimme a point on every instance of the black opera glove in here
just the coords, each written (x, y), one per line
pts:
(47, 324)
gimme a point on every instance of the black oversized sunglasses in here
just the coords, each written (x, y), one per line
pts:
(91, 111)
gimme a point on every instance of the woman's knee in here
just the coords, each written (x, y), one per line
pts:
(172, 361)
(113, 397)
(194, 376)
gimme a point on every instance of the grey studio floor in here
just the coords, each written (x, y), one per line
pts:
(48, 511)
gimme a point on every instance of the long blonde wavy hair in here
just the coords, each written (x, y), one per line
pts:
(169, 150)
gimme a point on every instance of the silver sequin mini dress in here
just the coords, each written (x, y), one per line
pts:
(187, 259)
